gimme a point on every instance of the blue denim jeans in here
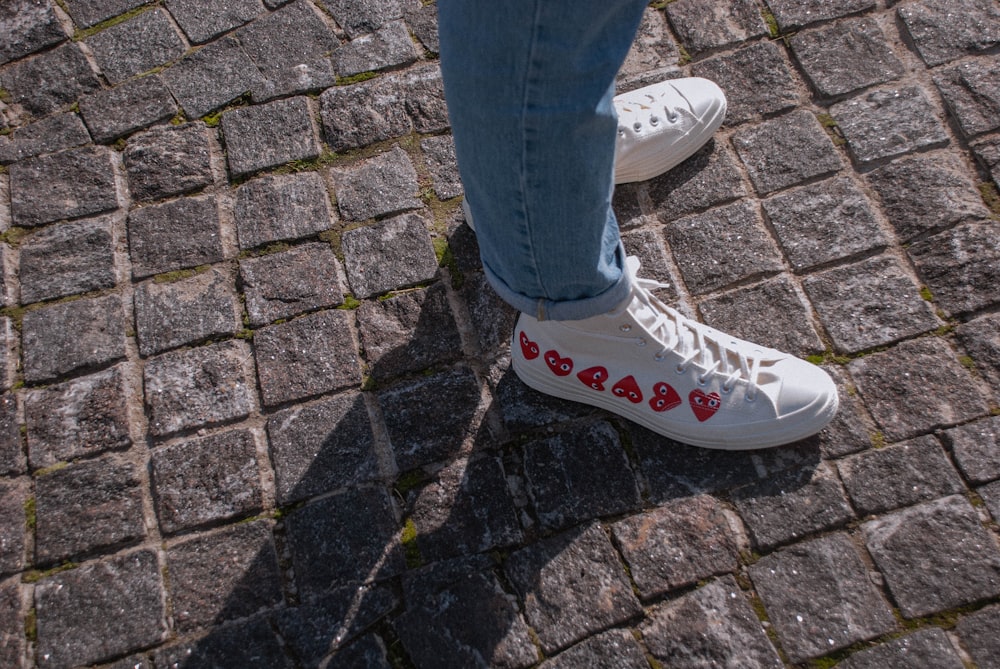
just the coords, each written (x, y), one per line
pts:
(529, 85)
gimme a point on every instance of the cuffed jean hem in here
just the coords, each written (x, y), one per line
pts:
(565, 310)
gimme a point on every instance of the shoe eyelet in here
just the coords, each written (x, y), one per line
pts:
(625, 328)
(702, 381)
(725, 390)
(751, 397)
(654, 120)
(659, 357)
(637, 126)
(680, 369)
(640, 342)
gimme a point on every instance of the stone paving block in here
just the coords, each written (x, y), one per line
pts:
(466, 509)
(961, 565)
(899, 475)
(168, 160)
(786, 151)
(12, 459)
(385, 184)
(673, 470)
(322, 447)
(287, 283)
(846, 56)
(579, 475)
(27, 26)
(961, 266)
(614, 649)
(100, 610)
(290, 47)
(85, 506)
(408, 332)
(823, 222)
(927, 192)
(389, 255)
(757, 79)
(625, 204)
(364, 113)
(647, 245)
(492, 318)
(889, 122)
(572, 585)
(12, 641)
(69, 336)
(359, 17)
(439, 154)
(128, 107)
(212, 77)
(654, 52)
(200, 386)
(179, 234)
(987, 152)
(7, 343)
(369, 651)
(457, 615)
(348, 538)
(980, 338)
(927, 648)
(76, 182)
(423, 23)
(222, 576)
(269, 135)
(48, 135)
(869, 304)
(78, 418)
(206, 480)
(244, 644)
(66, 259)
(703, 28)
(722, 246)
(425, 102)
(769, 313)
(970, 91)
(137, 45)
(714, 626)
(706, 179)
(86, 13)
(976, 449)
(842, 607)
(977, 633)
(433, 418)
(281, 207)
(324, 623)
(201, 22)
(50, 80)
(943, 30)
(307, 356)
(791, 505)
(851, 430)
(13, 523)
(917, 386)
(796, 13)
(389, 46)
(524, 408)
(186, 311)
(676, 545)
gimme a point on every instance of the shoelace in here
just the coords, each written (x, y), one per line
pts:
(690, 340)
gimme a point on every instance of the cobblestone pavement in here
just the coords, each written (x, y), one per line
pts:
(256, 405)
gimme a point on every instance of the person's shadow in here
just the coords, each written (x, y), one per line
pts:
(420, 545)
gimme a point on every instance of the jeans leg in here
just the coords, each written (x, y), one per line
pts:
(529, 85)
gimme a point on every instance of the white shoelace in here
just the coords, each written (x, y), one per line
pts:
(691, 340)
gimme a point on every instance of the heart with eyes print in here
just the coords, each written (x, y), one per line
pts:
(629, 389)
(594, 377)
(528, 347)
(559, 365)
(664, 397)
(704, 405)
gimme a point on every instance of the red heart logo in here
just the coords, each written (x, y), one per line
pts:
(560, 366)
(528, 347)
(594, 377)
(628, 389)
(704, 406)
(665, 397)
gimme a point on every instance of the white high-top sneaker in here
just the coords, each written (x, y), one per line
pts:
(677, 377)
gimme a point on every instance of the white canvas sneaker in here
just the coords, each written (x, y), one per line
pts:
(679, 378)
(662, 125)
(659, 127)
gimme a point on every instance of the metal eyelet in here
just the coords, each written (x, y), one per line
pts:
(680, 369)
(659, 357)
(751, 397)
(725, 390)
(637, 126)
(640, 342)
(625, 328)
(654, 120)
(702, 381)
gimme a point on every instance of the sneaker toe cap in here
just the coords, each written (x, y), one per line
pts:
(806, 389)
(704, 97)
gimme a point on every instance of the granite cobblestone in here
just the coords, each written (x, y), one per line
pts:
(256, 405)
